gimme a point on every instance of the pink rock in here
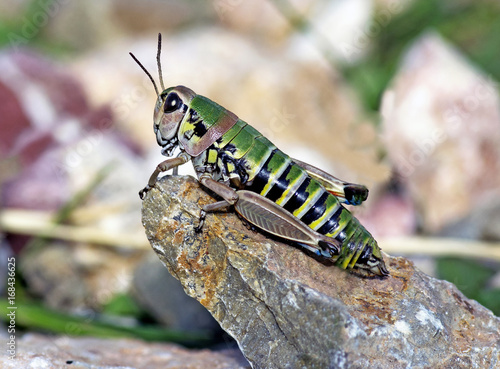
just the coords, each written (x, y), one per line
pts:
(441, 125)
(44, 111)
(391, 215)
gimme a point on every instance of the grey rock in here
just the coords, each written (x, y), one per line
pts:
(288, 310)
(163, 297)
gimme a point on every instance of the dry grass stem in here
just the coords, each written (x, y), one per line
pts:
(37, 223)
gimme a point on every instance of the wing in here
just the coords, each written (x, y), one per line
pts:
(348, 193)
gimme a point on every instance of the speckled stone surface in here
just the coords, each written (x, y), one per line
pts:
(35, 351)
(288, 310)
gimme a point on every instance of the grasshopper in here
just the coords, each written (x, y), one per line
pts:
(285, 197)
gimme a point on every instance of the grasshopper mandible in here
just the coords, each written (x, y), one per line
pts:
(273, 192)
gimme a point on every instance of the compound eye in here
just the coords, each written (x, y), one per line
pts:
(172, 103)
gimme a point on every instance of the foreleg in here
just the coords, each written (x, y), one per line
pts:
(164, 166)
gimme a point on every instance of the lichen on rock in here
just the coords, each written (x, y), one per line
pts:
(288, 310)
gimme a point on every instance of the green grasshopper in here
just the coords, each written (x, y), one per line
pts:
(285, 197)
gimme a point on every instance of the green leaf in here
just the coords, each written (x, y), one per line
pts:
(469, 276)
(491, 299)
(122, 304)
(35, 317)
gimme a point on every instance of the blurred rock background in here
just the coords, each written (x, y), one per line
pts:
(401, 96)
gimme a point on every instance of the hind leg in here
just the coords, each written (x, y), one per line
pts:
(268, 216)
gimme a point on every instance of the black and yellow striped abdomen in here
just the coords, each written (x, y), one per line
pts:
(262, 168)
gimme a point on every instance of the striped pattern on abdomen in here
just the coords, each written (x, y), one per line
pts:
(273, 174)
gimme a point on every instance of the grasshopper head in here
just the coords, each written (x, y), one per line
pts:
(171, 106)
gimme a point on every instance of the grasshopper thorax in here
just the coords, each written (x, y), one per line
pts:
(170, 109)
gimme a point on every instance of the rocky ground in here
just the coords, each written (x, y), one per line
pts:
(37, 351)
(286, 309)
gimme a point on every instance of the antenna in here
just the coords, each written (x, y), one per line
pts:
(158, 62)
(147, 73)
